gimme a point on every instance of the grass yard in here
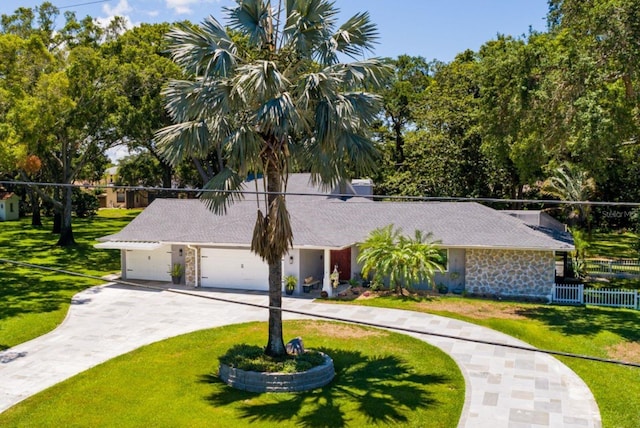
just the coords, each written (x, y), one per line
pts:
(613, 245)
(382, 379)
(600, 332)
(33, 302)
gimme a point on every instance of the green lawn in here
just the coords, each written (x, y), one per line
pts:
(600, 332)
(612, 245)
(382, 379)
(33, 302)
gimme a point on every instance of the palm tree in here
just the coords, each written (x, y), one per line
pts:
(268, 94)
(404, 260)
(569, 183)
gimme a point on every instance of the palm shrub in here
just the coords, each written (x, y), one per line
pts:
(402, 259)
(270, 96)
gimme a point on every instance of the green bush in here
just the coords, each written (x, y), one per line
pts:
(85, 204)
(252, 358)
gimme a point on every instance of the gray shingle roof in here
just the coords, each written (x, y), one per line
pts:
(331, 223)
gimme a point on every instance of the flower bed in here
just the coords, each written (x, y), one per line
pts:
(252, 381)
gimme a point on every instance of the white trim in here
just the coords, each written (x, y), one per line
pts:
(128, 245)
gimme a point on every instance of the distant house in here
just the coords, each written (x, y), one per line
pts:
(120, 198)
(9, 206)
(489, 252)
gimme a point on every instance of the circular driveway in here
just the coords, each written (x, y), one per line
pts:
(504, 387)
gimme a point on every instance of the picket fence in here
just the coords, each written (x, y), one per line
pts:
(579, 294)
(612, 267)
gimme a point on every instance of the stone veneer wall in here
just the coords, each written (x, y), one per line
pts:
(510, 272)
(190, 267)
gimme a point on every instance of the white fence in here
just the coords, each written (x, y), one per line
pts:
(612, 267)
(578, 294)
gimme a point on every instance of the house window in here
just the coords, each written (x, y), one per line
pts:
(120, 197)
(445, 254)
(10, 207)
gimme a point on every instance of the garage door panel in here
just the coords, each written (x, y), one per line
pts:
(233, 268)
(154, 265)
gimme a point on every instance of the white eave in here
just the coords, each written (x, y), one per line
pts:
(129, 245)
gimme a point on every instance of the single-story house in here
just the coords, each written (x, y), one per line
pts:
(488, 251)
(9, 206)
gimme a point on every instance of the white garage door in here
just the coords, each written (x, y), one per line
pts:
(154, 265)
(232, 268)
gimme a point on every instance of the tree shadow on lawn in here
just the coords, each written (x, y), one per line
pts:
(382, 389)
(586, 321)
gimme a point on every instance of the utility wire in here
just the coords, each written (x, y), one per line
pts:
(83, 4)
(333, 318)
(319, 194)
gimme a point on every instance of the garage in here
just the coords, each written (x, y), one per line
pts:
(152, 265)
(238, 269)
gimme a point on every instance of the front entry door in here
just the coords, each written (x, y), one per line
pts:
(342, 258)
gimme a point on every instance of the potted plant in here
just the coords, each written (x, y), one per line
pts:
(290, 282)
(176, 273)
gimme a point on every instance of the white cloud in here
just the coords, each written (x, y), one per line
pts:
(181, 7)
(121, 9)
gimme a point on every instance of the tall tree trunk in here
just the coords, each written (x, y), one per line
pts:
(57, 212)
(36, 218)
(166, 175)
(57, 222)
(399, 152)
(66, 231)
(275, 345)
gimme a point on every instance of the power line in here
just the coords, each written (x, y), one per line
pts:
(319, 194)
(83, 4)
(335, 318)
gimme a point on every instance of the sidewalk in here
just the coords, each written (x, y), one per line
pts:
(504, 387)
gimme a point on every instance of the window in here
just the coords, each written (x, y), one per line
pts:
(445, 254)
(10, 207)
(120, 197)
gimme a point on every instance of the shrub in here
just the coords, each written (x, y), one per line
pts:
(85, 204)
(252, 358)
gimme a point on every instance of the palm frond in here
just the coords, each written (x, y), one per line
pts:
(204, 50)
(259, 80)
(222, 191)
(182, 140)
(357, 35)
(309, 25)
(369, 73)
(278, 116)
(279, 230)
(243, 147)
(312, 87)
(260, 240)
(190, 100)
(253, 18)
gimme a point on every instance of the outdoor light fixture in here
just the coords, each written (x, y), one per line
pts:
(290, 260)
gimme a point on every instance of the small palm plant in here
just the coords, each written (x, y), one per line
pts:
(404, 260)
(290, 282)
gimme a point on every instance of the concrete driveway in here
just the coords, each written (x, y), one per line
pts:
(504, 387)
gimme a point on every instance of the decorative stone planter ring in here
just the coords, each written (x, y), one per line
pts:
(250, 381)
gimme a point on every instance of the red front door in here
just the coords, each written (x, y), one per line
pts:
(342, 258)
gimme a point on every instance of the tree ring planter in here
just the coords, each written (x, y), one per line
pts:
(278, 382)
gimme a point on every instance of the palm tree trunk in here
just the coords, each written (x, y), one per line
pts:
(275, 345)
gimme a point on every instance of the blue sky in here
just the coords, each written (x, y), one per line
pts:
(428, 28)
